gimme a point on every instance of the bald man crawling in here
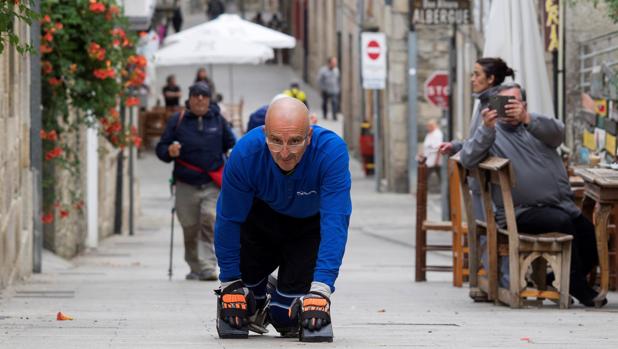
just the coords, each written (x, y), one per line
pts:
(284, 203)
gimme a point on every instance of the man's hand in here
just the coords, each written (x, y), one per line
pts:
(516, 113)
(489, 117)
(313, 309)
(237, 304)
(445, 148)
(174, 149)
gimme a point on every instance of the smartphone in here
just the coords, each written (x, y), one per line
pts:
(497, 103)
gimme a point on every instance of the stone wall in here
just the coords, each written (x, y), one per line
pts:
(67, 237)
(15, 175)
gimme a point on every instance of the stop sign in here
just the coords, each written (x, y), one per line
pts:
(436, 89)
(373, 49)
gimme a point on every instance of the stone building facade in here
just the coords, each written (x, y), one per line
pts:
(15, 175)
(333, 28)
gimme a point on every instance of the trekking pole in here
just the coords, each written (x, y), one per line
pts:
(172, 191)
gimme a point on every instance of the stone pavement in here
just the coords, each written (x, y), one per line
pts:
(120, 296)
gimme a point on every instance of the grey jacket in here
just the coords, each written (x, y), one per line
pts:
(540, 176)
(328, 80)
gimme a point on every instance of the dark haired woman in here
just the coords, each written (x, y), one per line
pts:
(488, 74)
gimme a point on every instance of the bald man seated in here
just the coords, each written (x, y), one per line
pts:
(284, 204)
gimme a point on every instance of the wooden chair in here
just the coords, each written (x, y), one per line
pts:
(455, 226)
(475, 229)
(525, 251)
(152, 123)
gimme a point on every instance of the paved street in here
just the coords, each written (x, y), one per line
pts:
(120, 296)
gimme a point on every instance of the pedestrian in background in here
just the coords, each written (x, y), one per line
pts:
(214, 9)
(295, 92)
(196, 140)
(171, 92)
(177, 19)
(328, 82)
(285, 203)
(202, 76)
(431, 146)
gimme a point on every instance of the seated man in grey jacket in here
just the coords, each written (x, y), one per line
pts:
(542, 197)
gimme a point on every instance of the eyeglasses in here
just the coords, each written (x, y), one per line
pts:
(294, 145)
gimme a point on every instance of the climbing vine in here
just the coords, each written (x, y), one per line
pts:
(89, 69)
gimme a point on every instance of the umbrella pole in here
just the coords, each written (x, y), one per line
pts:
(231, 76)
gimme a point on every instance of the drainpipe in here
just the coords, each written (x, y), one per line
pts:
(36, 150)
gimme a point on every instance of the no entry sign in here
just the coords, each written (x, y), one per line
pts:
(436, 89)
(373, 60)
(373, 50)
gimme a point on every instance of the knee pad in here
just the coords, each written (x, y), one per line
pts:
(280, 304)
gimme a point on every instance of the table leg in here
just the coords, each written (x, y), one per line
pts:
(600, 228)
(588, 207)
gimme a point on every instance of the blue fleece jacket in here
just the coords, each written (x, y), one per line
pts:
(204, 141)
(320, 184)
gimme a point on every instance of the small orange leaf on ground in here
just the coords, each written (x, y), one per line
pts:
(62, 316)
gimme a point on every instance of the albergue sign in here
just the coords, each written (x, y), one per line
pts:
(441, 12)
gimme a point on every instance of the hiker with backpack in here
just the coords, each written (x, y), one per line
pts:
(196, 140)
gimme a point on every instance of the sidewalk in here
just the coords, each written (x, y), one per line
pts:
(121, 298)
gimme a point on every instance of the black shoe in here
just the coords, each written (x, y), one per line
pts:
(587, 298)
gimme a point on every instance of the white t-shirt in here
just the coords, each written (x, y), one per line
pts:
(431, 146)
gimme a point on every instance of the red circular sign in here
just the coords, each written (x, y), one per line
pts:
(373, 49)
(436, 89)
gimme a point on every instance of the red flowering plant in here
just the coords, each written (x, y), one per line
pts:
(89, 68)
(10, 11)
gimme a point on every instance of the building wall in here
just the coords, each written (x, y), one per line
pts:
(15, 175)
(584, 21)
(334, 29)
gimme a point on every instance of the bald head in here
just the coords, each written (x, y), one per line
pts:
(288, 131)
(287, 112)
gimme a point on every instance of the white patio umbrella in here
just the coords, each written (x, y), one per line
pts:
(231, 26)
(212, 50)
(512, 33)
(199, 50)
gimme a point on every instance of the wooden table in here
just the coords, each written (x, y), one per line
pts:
(601, 186)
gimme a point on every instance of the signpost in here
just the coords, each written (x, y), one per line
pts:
(373, 60)
(373, 52)
(436, 89)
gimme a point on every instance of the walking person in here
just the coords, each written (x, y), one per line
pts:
(285, 203)
(196, 140)
(202, 76)
(171, 92)
(328, 82)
